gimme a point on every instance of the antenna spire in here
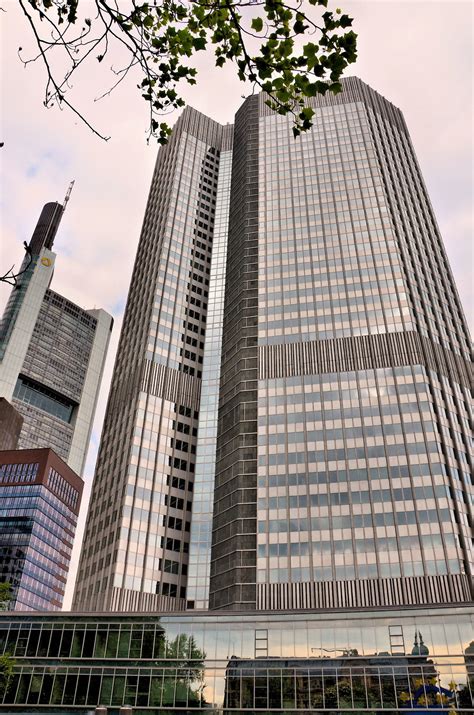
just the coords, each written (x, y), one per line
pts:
(68, 194)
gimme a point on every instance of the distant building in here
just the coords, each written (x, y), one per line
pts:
(40, 498)
(10, 425)
(52, 354)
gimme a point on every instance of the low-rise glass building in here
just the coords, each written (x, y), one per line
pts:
(379, 661)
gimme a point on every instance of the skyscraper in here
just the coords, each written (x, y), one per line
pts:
(336, 470)
(136, 542)
(52, 353)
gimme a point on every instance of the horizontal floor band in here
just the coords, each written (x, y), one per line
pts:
(365, 593)
(363, 352)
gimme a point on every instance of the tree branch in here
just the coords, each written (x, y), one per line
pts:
(160, 37)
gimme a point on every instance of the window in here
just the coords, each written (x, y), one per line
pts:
(44, 398)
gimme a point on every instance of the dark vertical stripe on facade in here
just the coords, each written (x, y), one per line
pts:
(233, 564)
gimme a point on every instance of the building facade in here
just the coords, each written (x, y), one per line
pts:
(52, 354)
(40, 498)
(344, 474)
(336, 471)
(136, 544)
(386, 660)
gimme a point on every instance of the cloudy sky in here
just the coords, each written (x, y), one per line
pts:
(417, 54)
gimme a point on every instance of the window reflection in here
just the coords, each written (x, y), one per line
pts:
(402, 663)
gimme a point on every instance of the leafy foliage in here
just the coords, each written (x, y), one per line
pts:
(5, 595)
(188, 687)
(6, 661)
(264, 38)
(6, 671)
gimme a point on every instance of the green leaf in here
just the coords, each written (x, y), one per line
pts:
(307, 113)
(199, 43)
(283, 95)
(345, 21)
(310, 89)
(257, 24)
(299, 27)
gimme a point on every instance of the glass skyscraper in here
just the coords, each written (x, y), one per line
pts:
(288, 430)
(40, 498)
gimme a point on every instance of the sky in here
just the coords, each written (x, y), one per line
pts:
(418, 54)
